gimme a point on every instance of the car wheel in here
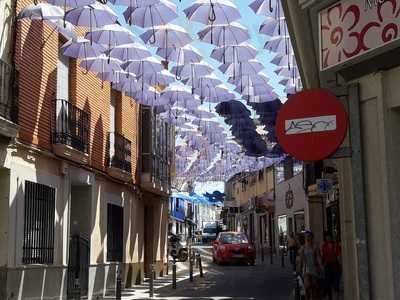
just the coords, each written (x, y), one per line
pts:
(252, 262)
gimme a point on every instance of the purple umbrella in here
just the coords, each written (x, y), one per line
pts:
(101, 64)
(250, 67)
(111, 35)
(225, 34)
(94, 15)
(180, 55)
(116, 77)
(81, 48)
(267, 97)
(254, 90)
(164, 77)
(242, 81)
(279, 44)
(180, 96)
(132, 51)
(207, 80)
(234, 53)
(63, 27)
(134, 3)
(70, 3)
(267, 7)
(144, 66)
(192, 70)
(274, 27)
(159, 13)
(212, 11)
(166, 36)
(150, 97)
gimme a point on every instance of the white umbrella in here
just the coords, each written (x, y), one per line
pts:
(225, 34)
(167, 36)
(111, 35)
(234, 53)
(116, 77)
(132, 51)
(279, 44)
(259, 78)
(159, 13)
(41, 11)
(180, 55)
(63, 27)
(212, 11)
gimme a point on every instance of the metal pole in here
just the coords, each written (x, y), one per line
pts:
(282, 257)
(151, 283)
(191, 267)
(200, 264)
(357, 172)
(118, 285)
(174, 274)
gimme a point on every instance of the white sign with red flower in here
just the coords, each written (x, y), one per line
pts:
(351, 28)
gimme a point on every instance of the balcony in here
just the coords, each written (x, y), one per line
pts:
(155, 174)
(119, 157)
(71, 132)
(8, 100)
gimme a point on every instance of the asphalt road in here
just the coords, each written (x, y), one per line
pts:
(260, 282)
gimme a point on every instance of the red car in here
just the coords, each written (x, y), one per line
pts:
(233, 247)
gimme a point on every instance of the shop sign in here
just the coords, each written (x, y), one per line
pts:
(352, 28)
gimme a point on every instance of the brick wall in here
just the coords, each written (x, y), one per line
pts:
(36, 58)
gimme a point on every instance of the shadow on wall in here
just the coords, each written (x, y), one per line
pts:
(35, 102)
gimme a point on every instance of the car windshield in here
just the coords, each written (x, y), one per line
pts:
(210, 230)
(234, 238)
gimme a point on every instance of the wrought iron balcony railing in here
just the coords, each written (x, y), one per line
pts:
(159, 169)
(8, 92)
(71, 126)
(119, 152)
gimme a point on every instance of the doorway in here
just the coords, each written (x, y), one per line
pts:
(79, 242)
(148, 239)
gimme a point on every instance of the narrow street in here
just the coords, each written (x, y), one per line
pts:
(260, 282)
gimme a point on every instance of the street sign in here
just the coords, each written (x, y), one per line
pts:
(311, 125)
(324, 186)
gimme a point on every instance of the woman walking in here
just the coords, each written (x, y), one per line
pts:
(311, 267)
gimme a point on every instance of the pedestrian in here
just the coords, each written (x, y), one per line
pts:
(292, 246)
(311, 267)
(330, 253)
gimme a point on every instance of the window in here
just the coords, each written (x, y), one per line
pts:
(115, 230)
(279, 173)
(39, 224)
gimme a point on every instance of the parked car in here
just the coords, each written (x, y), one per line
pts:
(210, 232)
(233, 247)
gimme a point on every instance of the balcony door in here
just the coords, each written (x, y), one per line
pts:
(62, 96)
(113, 104)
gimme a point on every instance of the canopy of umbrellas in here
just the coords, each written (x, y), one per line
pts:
(206, 152)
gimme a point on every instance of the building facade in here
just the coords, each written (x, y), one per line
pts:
(363, 73)
(84, 190)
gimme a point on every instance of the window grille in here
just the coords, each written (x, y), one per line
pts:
(115, 230)
(39, 224)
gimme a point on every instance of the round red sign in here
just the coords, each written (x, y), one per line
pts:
(311, 125)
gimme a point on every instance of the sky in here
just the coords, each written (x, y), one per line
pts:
(252, 22)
